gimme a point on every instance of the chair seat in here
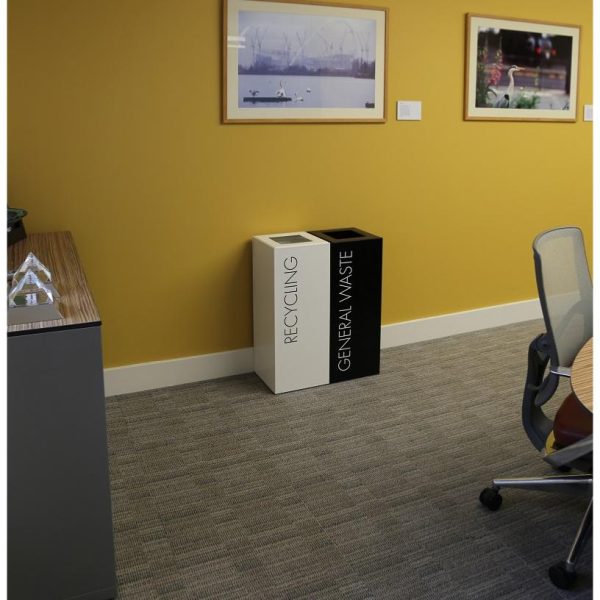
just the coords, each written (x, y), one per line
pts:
(572, 422)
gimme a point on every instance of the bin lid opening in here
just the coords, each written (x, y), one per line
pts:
(343, 234)
(290, 239)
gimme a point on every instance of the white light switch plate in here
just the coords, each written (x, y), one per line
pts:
(588, 112)
(408, 110)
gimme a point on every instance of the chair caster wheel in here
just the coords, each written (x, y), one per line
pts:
(560, 577)
(491, 498)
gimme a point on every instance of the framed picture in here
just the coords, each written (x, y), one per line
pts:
(300, 61)
(520, 70)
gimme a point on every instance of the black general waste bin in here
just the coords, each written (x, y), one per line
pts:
(355, 302)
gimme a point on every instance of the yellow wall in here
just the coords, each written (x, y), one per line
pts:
(114, 133)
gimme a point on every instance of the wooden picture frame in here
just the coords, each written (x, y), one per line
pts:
(519, 70)
(303, 61)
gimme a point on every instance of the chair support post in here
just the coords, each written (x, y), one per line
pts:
(580, 538)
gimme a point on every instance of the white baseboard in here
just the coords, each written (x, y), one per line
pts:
(420, 330)
(165, 373)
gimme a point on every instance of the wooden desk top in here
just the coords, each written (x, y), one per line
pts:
(582, 375)
(57, 251)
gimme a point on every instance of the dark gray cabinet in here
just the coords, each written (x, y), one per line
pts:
(59, 521)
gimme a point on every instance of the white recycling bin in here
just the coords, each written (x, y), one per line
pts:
(291, 292)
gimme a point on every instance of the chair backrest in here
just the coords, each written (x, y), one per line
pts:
(565, 290)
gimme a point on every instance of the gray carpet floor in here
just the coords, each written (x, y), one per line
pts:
(363, 489)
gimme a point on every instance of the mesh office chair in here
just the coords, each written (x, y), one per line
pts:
(565, 291)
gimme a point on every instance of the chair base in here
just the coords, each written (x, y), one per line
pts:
(581, 484)
(562, 574)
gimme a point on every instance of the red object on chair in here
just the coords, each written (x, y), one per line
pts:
(572, 422)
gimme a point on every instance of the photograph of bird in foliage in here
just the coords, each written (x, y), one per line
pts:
(522, 70)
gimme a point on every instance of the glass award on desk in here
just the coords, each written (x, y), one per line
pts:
(30, 290)
(31, 300)
(33, 264)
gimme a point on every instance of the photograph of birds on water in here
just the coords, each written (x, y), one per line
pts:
(296, 57)
(521, 69)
